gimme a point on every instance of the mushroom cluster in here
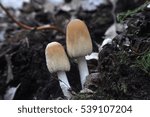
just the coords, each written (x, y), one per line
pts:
(79, 44)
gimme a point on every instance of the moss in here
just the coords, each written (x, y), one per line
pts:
(143, 62)
(122, 16)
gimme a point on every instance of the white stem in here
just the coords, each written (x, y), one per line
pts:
(83, 70)
(64, 84)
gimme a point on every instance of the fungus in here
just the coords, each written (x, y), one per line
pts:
(79, 45)
(57, 61)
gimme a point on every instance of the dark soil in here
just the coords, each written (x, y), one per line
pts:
(119, 72)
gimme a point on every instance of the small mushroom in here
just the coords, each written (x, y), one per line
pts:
(57, 61)
(79, 45)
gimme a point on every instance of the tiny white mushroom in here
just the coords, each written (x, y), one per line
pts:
(57, 61)
(79, 45)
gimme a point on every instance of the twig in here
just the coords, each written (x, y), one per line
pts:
(44, 27)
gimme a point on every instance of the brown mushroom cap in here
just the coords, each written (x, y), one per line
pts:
(56, 58)
(78, 39)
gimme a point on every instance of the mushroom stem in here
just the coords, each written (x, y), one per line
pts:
(64, 84)
(83, 69)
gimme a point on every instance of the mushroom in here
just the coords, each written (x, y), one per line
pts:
(79, 45)
(57, 61)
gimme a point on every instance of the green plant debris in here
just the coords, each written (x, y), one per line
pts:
(122, 16)
(143, 62)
